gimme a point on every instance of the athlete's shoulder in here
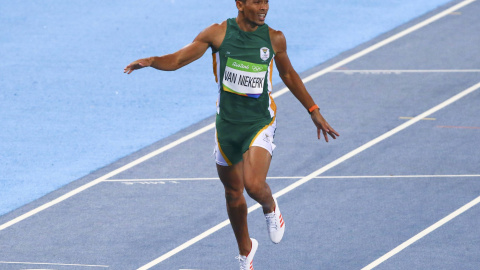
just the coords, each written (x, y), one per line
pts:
(217, 28)
(276, 35)
(214, 34)
(279, 42)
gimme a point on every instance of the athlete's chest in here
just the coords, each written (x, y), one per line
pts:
(251, 47)
(245, 65)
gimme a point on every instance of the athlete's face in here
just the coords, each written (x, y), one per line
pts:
(254, 11)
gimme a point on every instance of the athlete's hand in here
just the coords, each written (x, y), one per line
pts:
(140, 63)
(322, 126)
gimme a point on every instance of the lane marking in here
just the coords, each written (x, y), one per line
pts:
(212, 125)
(55, 264)
(148, 183)
(316, 173)
(186, 244)
(400, 71)
(385, 42)
(406, 117)
(458, 127)
(297, 177)
(422, 234)
(380, 138)
(105, 177)
(399, 176)
(162, 179)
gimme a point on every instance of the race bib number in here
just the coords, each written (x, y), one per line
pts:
(244, 78)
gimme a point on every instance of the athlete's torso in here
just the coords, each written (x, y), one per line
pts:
(243, 69)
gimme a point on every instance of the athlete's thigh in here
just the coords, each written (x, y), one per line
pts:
(256, 162)
(231, 176)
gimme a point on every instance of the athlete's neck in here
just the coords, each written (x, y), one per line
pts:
(245, 25)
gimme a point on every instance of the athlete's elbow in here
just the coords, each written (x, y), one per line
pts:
(173, 67)
(166, 63)
(177, 64)
(286, 78)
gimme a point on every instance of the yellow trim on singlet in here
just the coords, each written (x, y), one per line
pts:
(221, 152)
(271, 72)
(273, 106)
(215, 67)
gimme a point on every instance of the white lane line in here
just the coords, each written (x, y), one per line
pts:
(408, 117)
(385, 42)
(399, 176)
(55, 264)
(379, 139)
(212, 125)
(105, 177)
(400, 71)
(186, 245)
(298, 177)
(458, 127)
(163, 179)
(422, 234)
(316, 173)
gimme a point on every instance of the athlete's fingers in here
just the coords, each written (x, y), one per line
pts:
(325, 135)
(332, 135)
(141, 63)
(334, 132)
(128, 70)
(133, 67)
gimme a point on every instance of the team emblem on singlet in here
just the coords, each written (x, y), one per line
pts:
(244, 78)
(264, 53)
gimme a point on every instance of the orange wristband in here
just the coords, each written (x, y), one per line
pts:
(313, 108)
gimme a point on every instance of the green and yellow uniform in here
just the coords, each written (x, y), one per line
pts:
(243, 70)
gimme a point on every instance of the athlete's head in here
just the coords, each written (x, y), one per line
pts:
(253, 11)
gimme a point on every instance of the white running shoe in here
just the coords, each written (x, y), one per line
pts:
(246, 262)
(275, 224)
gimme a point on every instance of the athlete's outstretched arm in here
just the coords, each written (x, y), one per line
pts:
(294, 83)
(186, 55)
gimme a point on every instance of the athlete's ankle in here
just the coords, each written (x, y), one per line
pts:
(269, 207)
(245, 249)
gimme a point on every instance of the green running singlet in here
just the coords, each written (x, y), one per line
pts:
(245, 109)
(243, 70)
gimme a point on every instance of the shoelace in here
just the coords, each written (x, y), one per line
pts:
(243, 262)
(271, 221)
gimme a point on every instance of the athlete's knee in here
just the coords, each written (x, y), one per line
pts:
(256, 188)
(233, 196)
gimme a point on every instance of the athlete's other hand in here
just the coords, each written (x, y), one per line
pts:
(323, 127)
(140, 63)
